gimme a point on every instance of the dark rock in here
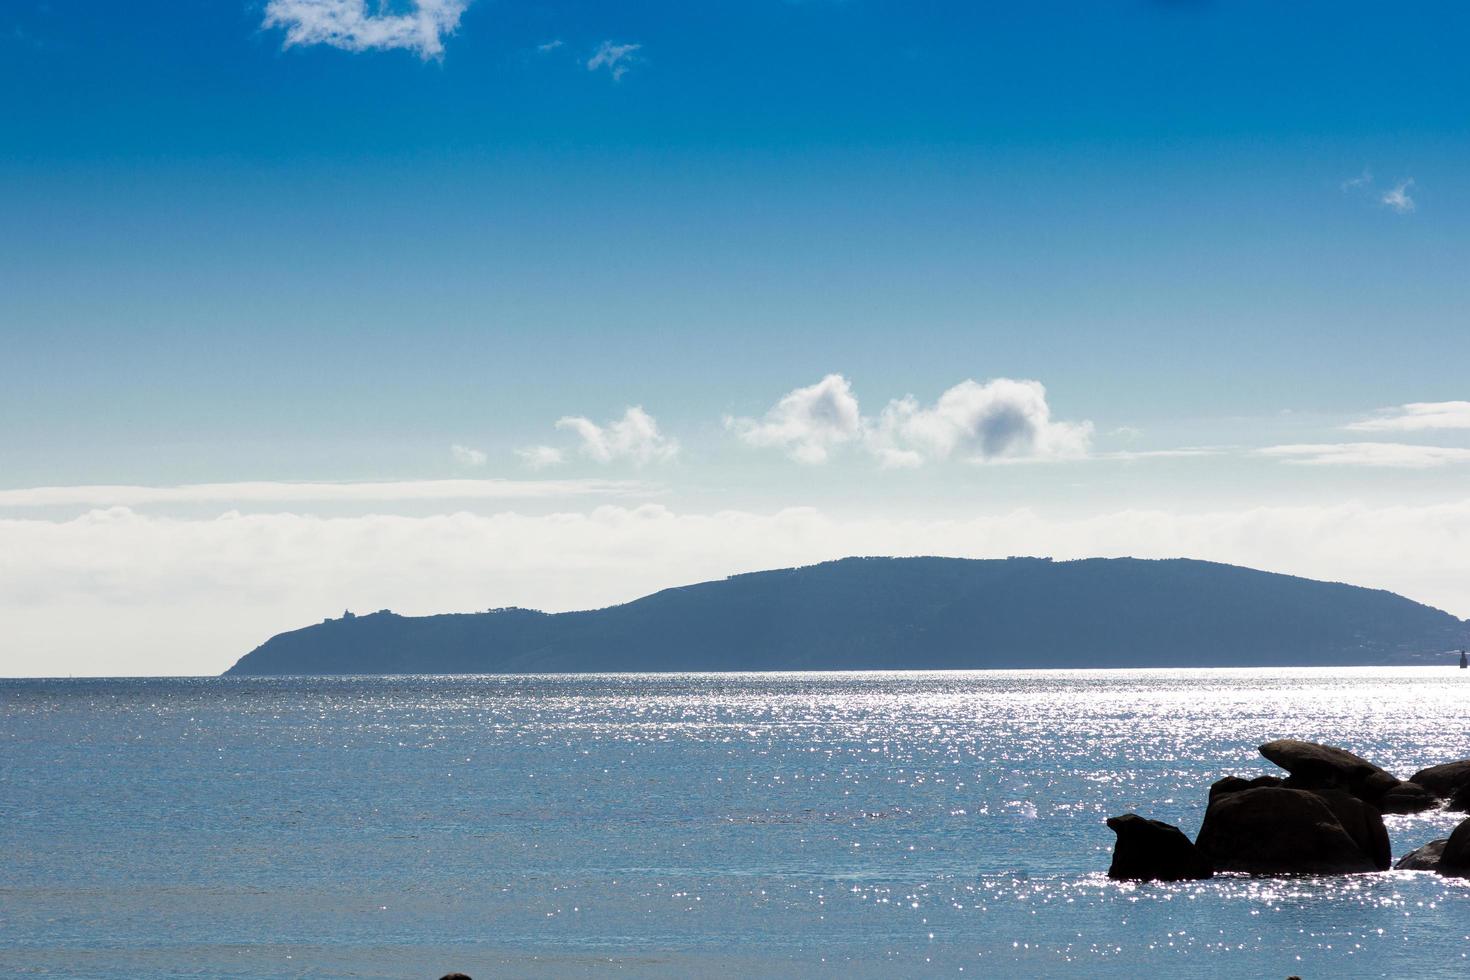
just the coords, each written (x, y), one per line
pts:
(1274, 830)
(1363, 823)
(1425, 858)
(1314, 766)
(1444, 780)
(1460, 800)
(1234, 784)
(454, 976)
(1454, 860)
(1150, 850)
(1408, 797)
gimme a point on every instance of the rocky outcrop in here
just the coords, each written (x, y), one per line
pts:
(1425, 858)
(1363, 823)
(1322, 767)
(1360, 821)
(1234, 784)
(1454, 860)
(1315, 766)
(1408, 797)
(1151, 850)
(1275, 830)
(1325, 817)
(1444, 779)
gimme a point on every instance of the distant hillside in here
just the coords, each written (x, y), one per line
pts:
(904, 613)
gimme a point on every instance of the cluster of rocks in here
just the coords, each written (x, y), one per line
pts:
(1324, 817)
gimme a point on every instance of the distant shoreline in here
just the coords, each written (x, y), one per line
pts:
(244, 678)
(902, 614)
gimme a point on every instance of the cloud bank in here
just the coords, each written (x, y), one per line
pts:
(288, 493)
(190, 596)
(348, 25)
(1002, 419)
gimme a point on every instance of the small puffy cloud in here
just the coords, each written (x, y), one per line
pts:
(1397, 197)
(1395, 455)
(540, 457)
(1000, 419)
(808, 423)
(635, 437)
(1417, 416)
(348, 24)
(550, 46)
(465, 456)
(616, 58)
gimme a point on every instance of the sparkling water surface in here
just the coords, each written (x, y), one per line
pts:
(861, 824)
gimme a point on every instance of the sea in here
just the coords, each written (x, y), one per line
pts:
(691, 825)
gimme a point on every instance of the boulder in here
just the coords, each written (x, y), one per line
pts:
(1454, 860)
(1363, 823)
(1408, 797)
(1150, 850)
(1275, 830)
(1459, 801)
(1425, 858)
(1234, 784)
(1314, 766)
(1444, 780)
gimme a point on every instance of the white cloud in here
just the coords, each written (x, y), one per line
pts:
(1396, 455)
(807, 424)
(540, 457)
(286, 493)
(998, 420)
(1397, 197)
(616, 58)
(1416, 416)
(634, 437)
(189, 596)
(348, 24)
(1001, 419)
(549, 46)
(1184, 452)
(465, 456)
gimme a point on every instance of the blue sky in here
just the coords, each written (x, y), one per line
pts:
(1229, 240)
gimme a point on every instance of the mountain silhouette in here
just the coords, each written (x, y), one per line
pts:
(901, 614)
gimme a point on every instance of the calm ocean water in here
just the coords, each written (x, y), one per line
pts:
(869, 824)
